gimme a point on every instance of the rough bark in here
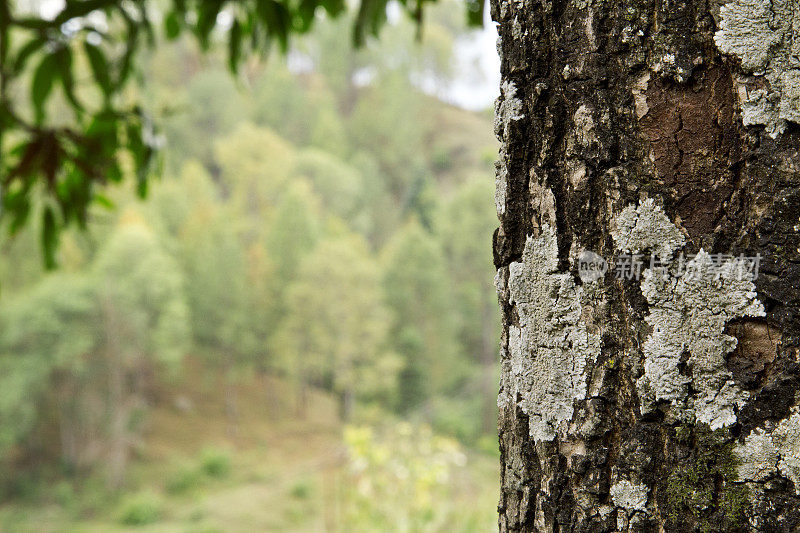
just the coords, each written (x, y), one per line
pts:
(662, 128)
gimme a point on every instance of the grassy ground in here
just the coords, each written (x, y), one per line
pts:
(197, 470)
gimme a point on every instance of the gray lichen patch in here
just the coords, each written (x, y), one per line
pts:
(508, 108)
(543, 201)
(629, 496)
(765, 453)
(500, 187)
(516, 30)
(765, 35)
(758, 458)
(584, 132)
(639, 90)
(787, 441)
(646, 227)
(549, 350)
(746, 31)
(688, 313)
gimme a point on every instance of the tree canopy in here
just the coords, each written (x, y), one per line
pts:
(60, 160)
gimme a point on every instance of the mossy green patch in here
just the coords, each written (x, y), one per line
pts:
(704, 485)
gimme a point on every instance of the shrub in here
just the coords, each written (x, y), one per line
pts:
(64, 494)
(141, 509)
(301, 490)
(215, 463)
(183, 479)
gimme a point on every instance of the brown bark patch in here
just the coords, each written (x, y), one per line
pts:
(693, 145)
(755, 352)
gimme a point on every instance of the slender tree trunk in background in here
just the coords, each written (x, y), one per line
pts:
(301, 398)
(346, 401)
(118, 403)
(119, 433)
(231, 398)
(664, 401)
(274, 410)
(68, 422)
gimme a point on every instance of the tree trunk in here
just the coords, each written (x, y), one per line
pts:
(274, 408)
(659, 395)
(346, 401)
(231, 398)
(119, 412)
(119, 435)
(68, 422)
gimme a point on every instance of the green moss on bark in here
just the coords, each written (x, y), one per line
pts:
(704, 485)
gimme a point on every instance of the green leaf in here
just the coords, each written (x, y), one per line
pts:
(126, 64)
(42, 84)
(99, 65)
(51, 155)
(172, 25)
(144, 22)
(235, 46)
(64, 57)
(32, 23)
(104, 201)
(333, 7)
(102, 143)
(276, 17)
(305, 14)
(206, 20)
(19, 216)
(475, 10)
(49, 238)
(75, 9)
(25, 53)
(142, 154)
(7, 120)
(371, 16)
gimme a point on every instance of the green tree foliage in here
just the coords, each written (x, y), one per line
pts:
(140, 292)
(391, 111)
(380, 213)
(21, 264)
(334, 331)
(143, 325)
(293, 232)
(465, 223)
(46, 331)
(176, 199)
(339, 185)
(260, 307)
(255, 165)
(303, 109)
(214, 263)
(419, 295)
(81, 345)
(210, 107)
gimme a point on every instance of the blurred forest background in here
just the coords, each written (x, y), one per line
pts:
(295, 331)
